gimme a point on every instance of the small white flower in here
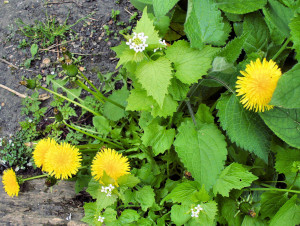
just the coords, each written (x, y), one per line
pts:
(101, 219)
(103, 189)
(17, 168)
(10, 141)
(195, 211)
(163, 42)
(198, 207)
(52, 72)
(194, 214)
(30, 120)
(138, 42)
(12, 145)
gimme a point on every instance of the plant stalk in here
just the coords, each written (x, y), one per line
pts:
(35, 177)
(283, 47)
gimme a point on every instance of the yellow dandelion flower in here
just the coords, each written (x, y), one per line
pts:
(62, 161)
(258, 84)
(113, 163)
(40, 151)
(10, 182)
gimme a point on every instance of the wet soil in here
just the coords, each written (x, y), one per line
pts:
(37, 204)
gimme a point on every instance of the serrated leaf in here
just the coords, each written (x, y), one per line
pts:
(101, 124)
(233, 49)
(285, 124)
(253, 221)
(179, 214)
(234, 176)
(208, 214)
(190, 64)
(295, 34)
(279, 16)
(128, 180)
(145, 196)
(204, 24)
(240, 6)
(271, 202)
(288, 214)
(155, 78)
(112, 111)
(81, 182)
(287, 91)
(128, 216)
(71, 93)
(285, 159)
(161, 8)
(90, 212)
(205, 153)
(178, 90)
(243, 127)
(158, 137)
(168, 108)
(204, 115)
(182, 193)
(228, 209)
(258, 33)
(139, 101)
(109, 215)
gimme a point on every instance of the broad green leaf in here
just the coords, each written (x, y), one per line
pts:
(158, 137)
(285, 159)
(145, 196)
(204, 115)
(271, 202)
(234, 176)
(204, 24)
(141, 4)
(81, 182)
(278, 15)
(240, 6)
(162, 25)
(109, 215)
(71, 93)
(139, 101)
(112, 111)
(34, 49)
(161, 8)
(253, 221)
(285, 124)
(295, 34)
(258, 33)
(103, 201)
(155, 78)
(128, 216)
(204, 154)
(180, 214)
(182, 193)
(145, 25)
(125, 54)
(128, 180)
(287, 92)
(190, 64)
(178, 90)
(228, 209)
(233, 49)
(101, 124)
(288, 214)
(243, 127)
(168, 108)
(208, 214)
(91, 214)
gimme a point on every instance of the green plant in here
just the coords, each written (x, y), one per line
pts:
(107, 31)
(115, 14)
(23, 44)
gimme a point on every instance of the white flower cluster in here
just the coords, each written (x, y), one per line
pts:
(196, 211)
(101, 219)
(163, 42)
(107, 189)
(138, 42)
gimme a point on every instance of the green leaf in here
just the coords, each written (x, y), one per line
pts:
(128, 216)
(103, 201)
(70, 69)
(179, 214)
(279, 15)
(168, 108)
(81, 182)
(158, 137)
(285, 159)
(190, 64)
(128, 180)
(271, 202)
(250, 221)
(295, 34)
(139, 101)
(204, 115)
(71, 93)
(288, 214)
(102, 125)
(113, 112)
(204, 24)
(109, 215)
(233, 49)
(285, 124)
(258, 33)
(208, 214)
(34, 49)
(146, 26)
(205, 153)
(161, 8)
(228, 210)
(234, 176)
(145, 196)
(182, 193)
(243, 127)
(90, 212)
(287, 92)
(178, 90)
(240, 6)
(155, 78)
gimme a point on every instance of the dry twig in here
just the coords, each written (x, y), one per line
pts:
(5, 61)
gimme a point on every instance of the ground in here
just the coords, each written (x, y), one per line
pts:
(97, 57)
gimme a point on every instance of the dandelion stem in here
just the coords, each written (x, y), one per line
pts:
(91, 135)
(191, 111)
(82, 85)
(221, 82)
(99, 93)
(283, 47)
(272, 189)
(35, 177)
(72, 101)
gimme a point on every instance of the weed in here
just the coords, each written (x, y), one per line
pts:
(115, 14)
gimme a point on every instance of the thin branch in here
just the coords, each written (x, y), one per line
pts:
(13, 91)
(5, 61)
(128, 11)
(55, 45)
